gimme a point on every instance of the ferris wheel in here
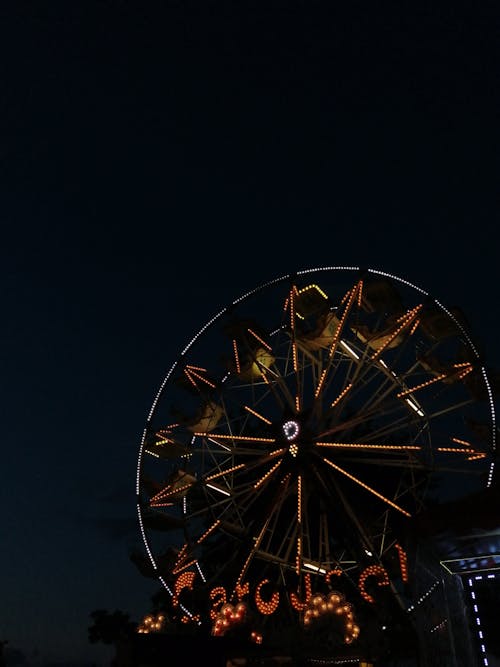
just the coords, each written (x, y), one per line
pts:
(295, 438)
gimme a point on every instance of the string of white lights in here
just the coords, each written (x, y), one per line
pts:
(477, 618)
(423, 597)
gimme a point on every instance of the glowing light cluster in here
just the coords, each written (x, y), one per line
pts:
(151, 623)
(228, 617)
(334, 603)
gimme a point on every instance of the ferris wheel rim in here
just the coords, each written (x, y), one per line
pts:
(288, 277)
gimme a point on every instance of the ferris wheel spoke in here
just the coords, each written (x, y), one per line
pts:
(390, 380)
(392, 428)
(248, 493)
(310, 360)
(441, 468)
(380, 392)
(345, 369)
(451, 408)
(271, 509)
(369, 447)
(287, 548)
(279, 388)
(255, 459)
(228, 491)
(317, 559)
(365, 539)
(410, 464)
(234, 438)
(260, 365)
(382, 536)
(366, 487)
(384, 430)
(349, 300)
(234, 488)
(294, 350)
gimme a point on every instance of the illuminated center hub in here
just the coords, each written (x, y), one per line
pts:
(291, 432)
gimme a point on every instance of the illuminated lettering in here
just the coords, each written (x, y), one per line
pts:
(185, 580)
(266, 607)
(219, 598)
(372, 571)
(241, 591)
(296, 603)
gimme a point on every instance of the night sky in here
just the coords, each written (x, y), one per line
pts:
(158, 159)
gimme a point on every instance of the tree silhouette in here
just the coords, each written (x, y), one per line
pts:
(2, 657)
(109, 628)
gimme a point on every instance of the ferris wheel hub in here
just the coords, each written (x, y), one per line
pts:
(291, 430)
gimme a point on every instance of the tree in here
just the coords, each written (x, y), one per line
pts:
(2, 657)
(110, 628)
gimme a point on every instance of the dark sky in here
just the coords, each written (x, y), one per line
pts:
(159, 159)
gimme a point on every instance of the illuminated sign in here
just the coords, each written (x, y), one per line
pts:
(267, 599)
